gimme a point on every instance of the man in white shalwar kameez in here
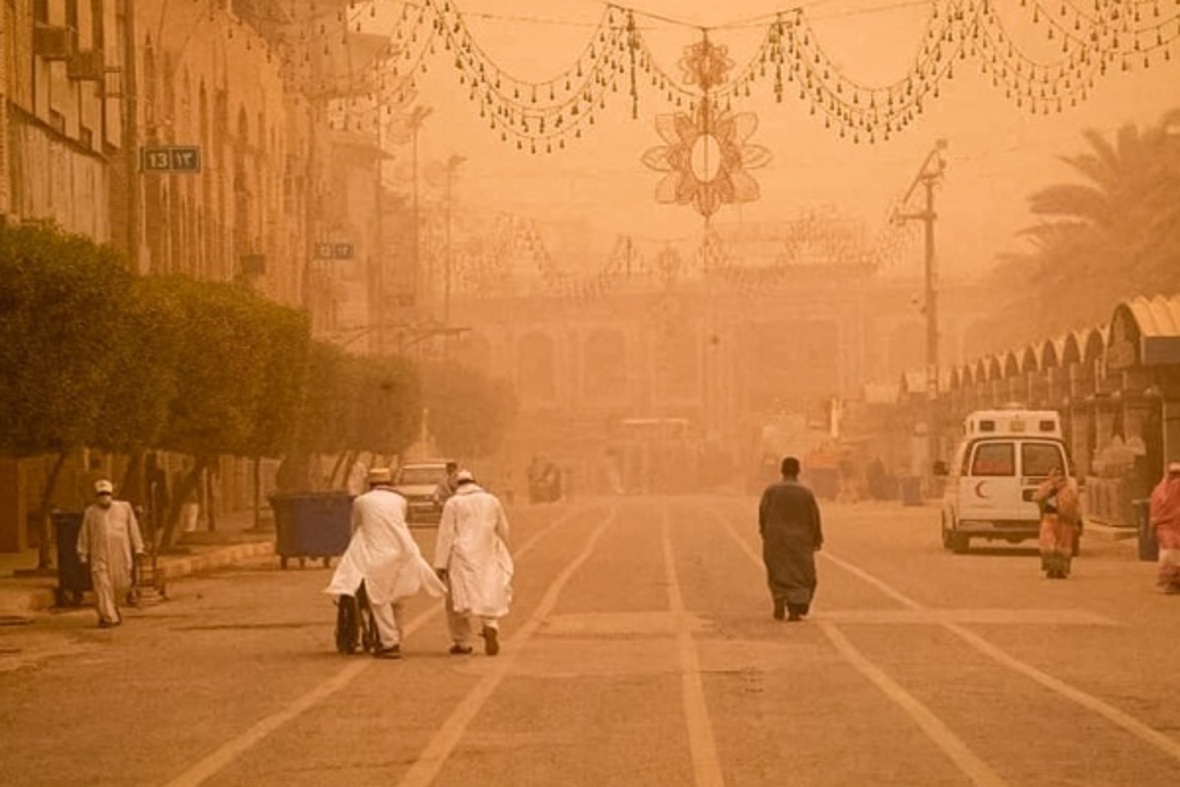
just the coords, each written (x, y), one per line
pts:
(109, 535)
(472, 555)
(384, 556)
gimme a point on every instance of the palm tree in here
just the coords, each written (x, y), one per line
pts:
(1122, 217)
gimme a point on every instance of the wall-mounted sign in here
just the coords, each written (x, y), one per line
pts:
(170, 158)
(334, 251)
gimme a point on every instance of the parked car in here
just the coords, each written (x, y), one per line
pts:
(418, 483)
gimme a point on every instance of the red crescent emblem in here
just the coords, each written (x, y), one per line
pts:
(979, 489)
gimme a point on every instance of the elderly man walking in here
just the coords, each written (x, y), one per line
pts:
(1165, 518)
(472, 556)
(384, 556)
(788, 519)
(109, 534)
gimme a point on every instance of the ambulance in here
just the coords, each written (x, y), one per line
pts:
(1000, 460)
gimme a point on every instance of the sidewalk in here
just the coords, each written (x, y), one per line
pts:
(234, 542)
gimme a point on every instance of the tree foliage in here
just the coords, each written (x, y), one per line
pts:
(1112, 234)
(468, 412)
(358, 404)
(61, 299)
(92, 355)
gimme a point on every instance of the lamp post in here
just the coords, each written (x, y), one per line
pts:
(929, 174)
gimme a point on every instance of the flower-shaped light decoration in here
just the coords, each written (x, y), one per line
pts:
(706, 155)
(706, 158)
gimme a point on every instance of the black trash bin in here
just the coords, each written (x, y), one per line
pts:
(1149, 548)
(73, 576)
(911, 490)
(312, 525)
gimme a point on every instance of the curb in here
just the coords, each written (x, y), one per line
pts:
(42, 597)
(182, 566)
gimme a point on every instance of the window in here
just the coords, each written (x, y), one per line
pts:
(994, 459)
(1038, 459)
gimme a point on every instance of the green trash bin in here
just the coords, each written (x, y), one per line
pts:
(314, 525)
(1149, 548)
(73, 576)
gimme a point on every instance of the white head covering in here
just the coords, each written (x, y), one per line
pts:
(380, 475)
(464, 475)
(104, 487)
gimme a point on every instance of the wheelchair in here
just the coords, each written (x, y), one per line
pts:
(355, 627)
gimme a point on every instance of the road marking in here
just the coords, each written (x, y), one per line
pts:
(230, 751)
(1090, 702)
(978, 771)
(943, 737)
(428, 764)
(706, 767)
(1119, 718)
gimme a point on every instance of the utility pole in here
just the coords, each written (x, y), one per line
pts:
(928, 176)
(416, 118)
(452, 164)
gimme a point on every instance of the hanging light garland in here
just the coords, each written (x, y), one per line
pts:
(790, 62)
(616, 62)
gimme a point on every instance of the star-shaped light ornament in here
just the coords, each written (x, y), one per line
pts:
(706, 158)
(705, 65)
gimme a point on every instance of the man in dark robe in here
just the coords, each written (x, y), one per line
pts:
(788, 519)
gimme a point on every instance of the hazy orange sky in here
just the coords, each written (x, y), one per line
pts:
(997, 154)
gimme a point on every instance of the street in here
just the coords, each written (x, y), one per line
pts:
(640, 651)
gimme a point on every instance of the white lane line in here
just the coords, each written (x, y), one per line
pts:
(439, 748)
(230, 751)
(978, 771)
(1120, 718)
(897, 596)
(1112, 714)
(706, 767)
(972, 766)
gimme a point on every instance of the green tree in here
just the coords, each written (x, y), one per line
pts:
(1117, 225)
(468, 412)
(61, 300)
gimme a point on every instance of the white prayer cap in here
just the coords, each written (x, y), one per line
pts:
(464, 475)
(1174, 467)
(104, 487)
(380, 475)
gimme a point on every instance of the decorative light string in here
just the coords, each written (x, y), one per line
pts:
(617, 62)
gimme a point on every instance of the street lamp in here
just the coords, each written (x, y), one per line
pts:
(929, 174)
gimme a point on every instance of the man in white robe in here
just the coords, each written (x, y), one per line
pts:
(472, 556)
(109, 535)
(384, 556)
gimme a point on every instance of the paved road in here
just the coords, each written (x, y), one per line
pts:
(640, 651)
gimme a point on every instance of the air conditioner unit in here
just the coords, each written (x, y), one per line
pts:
(54, 43)
(87, 65)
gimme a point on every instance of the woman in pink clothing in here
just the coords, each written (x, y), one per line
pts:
(1165, 518)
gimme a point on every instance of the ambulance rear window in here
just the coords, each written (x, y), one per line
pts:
(1039, 458)
(994, 459)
